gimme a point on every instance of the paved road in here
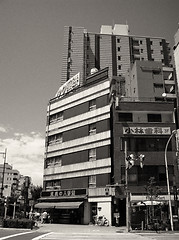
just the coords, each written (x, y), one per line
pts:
(14, 234)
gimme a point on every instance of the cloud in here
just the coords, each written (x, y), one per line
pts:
(25, 152)
(3, 129)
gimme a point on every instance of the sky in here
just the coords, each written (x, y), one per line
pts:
(31, 46)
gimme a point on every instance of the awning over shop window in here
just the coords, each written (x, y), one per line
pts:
(59, 205)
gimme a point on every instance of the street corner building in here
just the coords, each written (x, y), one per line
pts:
(107, 129)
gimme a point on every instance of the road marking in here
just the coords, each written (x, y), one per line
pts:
(42, 236)
(15, 235)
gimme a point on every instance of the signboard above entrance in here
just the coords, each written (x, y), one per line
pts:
(147, 130)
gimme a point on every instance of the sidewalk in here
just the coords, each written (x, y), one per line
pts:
(64, 228)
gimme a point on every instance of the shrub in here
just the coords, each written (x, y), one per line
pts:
(18, 223)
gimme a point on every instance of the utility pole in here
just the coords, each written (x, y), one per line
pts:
(3, 172)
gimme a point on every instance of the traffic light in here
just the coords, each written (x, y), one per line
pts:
(141, 159)
(6, 201)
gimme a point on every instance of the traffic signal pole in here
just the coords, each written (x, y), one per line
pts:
(126, 187)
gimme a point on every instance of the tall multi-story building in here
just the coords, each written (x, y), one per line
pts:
(111, 97)
(78, 150)
(112, 47)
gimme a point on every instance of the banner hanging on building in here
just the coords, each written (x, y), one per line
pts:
(147, 130)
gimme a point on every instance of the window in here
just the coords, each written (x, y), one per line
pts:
(92, 105)
(141, 50)
(125, 117)
(92, 155)
(154, 117)
(92, 129)
(156, 71)
(58, 161)
(158, 85)
(119, 49)
(53, 184)
(92, 181)
(56, 117)
(57, 138)
(118, 40)
(119, 67)
(53, 161)
(119, 58)
(151, 42)
(140, 41)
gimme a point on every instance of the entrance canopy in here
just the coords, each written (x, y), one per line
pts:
(59, 205)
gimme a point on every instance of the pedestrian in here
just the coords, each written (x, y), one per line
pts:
(44, 216)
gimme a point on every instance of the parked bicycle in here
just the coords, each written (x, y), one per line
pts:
(101, 221)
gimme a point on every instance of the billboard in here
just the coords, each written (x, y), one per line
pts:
(71, 84)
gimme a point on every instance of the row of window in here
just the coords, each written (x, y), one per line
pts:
(58, 138)
(57, 183)
(57, 161)
(128, 117)
(60, 115)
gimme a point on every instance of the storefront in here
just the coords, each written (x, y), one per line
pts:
(65, 206)
(63, 212)
(144, 211)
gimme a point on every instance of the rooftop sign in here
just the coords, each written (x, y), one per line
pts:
(71, 84)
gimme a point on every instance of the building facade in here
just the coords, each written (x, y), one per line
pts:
(151, 80)
(10, 181)
(78, 149)
(112, 47)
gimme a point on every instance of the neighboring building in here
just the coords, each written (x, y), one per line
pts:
(150, 80)
(146, 126)
(112, 48)
(176, 55)
(11, 179)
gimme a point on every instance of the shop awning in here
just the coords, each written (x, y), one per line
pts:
(58, 205)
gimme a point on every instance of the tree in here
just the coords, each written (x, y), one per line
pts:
(36, 192)
(153, 192)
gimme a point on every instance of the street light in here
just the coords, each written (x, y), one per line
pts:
(168, 185)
